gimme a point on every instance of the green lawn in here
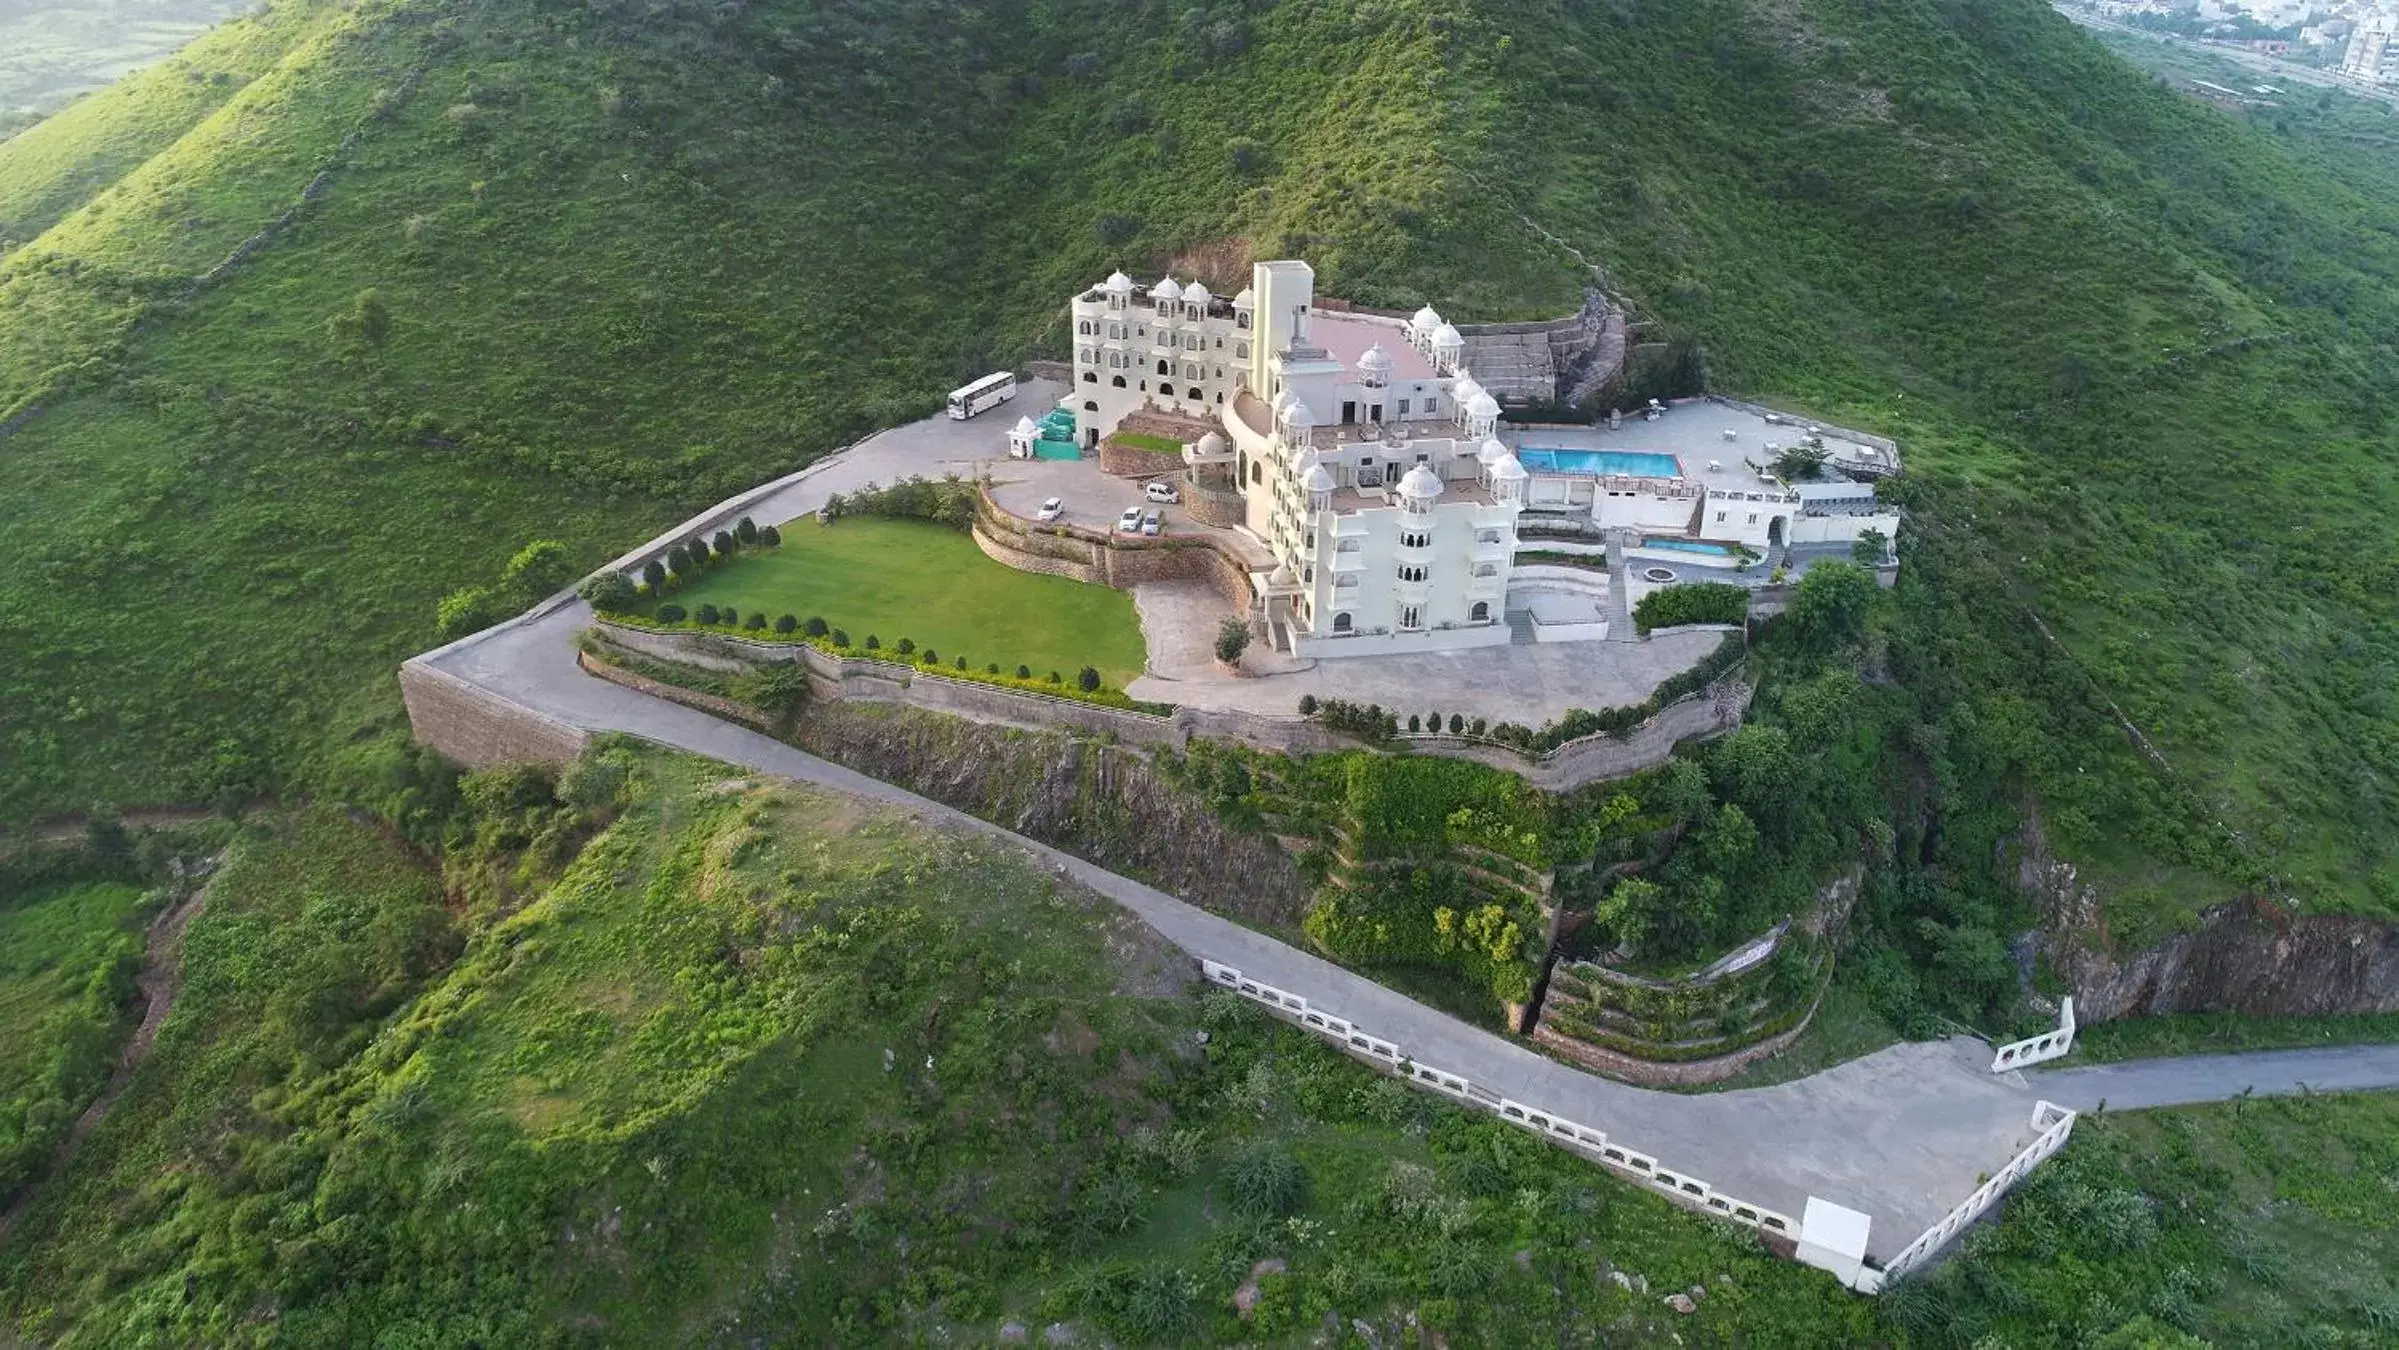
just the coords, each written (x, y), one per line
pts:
(906, 579)
(1164, 445)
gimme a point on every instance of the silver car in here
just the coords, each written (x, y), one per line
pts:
(1153, 522)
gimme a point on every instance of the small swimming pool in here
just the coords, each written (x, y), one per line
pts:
(1638, 463)
(1686, 546)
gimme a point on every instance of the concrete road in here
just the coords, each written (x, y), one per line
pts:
(2143, 1083)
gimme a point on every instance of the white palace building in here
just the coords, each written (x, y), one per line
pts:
(1375, 470)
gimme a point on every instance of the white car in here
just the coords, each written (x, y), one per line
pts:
(1158, 490)
(1050, 510)
(1130, 521)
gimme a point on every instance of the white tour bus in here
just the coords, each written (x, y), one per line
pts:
(983, 395)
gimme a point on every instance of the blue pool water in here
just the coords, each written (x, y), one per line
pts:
(1686, 546)
(1639, 463)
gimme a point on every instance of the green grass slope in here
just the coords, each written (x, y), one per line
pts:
(768, 1064)
(623, 260)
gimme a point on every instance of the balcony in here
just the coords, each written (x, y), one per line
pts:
(1412, 592)
(1344, 563)
(1420, 555)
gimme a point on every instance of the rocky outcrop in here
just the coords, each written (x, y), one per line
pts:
(1094, 799)
(2251, 955)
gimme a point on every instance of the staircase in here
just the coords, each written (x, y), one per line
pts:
(1520, 627)
(1620, 607)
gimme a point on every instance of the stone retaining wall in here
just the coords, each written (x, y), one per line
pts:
(1220, 507)
(1126, 461)
(480, 729)
(1660, 1073)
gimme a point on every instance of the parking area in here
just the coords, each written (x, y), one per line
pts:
(1094, 500)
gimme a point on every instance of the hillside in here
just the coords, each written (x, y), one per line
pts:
(565, 273)
(772, 1066)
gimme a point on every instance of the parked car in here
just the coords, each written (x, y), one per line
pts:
(1159, 490)
(1050, 510)
(1153, 522)
(1130, 521)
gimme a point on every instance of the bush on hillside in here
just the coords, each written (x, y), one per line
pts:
(466, 610)
(538, 569)
(609, 592)
(1087, 679)
(787, 624)
(1232, 639)
(671, 614)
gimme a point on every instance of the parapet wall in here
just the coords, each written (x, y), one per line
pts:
(478, 728)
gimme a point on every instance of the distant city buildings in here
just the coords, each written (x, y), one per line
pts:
(2372, 56)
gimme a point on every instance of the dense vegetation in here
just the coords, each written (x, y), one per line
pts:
(2138, 350)
(68, 955)
(769, 1063)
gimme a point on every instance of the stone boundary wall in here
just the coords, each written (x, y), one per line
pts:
(480, 729)
(1600, 755)
(1047, 370)
(1829, 431)
(1666, 1073)
(1127, 461)
(1214, 506)
(689, 698)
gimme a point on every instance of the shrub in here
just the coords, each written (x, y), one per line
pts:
(678, 560)
(815, 627)
(1457, 723)
(962, 665)
(746, 531)
(537, 569)
(1024, 672)
(756, 623)
(1087, 679)
(906, 646)
(1307, 705)
(873, 643)
(653, 574)
(1053, 678)
(1232, 639)
(1415, 723)
(1265, 1182)
(770, 537)
(1479, 725)
(707, 615)
(991, 668)
(671, 614)
(1694, 602)
(724, 544)
(609, 592)
(787, 624)
(928, 657)
(465, 610)
(841, 637)
(778, 687)
(1432, 721)
(696, 549)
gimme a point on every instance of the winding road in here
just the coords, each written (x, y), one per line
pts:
(1901, 1135)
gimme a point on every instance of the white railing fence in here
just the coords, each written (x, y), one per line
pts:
(2036, 1049)
(2054, 1123)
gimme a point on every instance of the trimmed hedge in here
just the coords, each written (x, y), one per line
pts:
(1692, 602)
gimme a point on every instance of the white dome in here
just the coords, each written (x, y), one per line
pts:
(1195, 294)
(1298, 416)
(1319, 479)
(1420, 482)
(1508, 469)
(1166, 290)
(1281, 576)
(1447, 336)
(1374, 358)
(1211, 444)
(1246, 299)
(1426, 320)
(1119, 282)
(1492, 453)
(1482, 405)
(1025, 425)
(1465, 389)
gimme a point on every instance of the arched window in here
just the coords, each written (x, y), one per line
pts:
(1254, 475)
(1163, 370)
(1341, 623)
(1084, 327)
(1481, 612)
(1091, 405)
(1119, 381)
(1093, 377)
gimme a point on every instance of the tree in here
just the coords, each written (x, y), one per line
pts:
(678, 561)
(609, 592)
(537, 569)
(1232, 639)
(1869, 548)
(707, 615)
(756, 622)
(1457, 723)
(778, 687)
(1831, 604)
(770, 537)
(105, 836)
(723, 543)
(961, 663)
(671, 614)
(1801, 459)
(366, 321)
(1415, 723)
(1307, 705)
(1087, 679)
(465, 610)
(746, 531)
(816, 626)
(841, 637)
(991, 668)
(1024, 672)
(1634, 911)
(873, 643)
(928, 657)
(696, 549)
(653, 574)
(787, 624)
(906, 646)
(1053, 678)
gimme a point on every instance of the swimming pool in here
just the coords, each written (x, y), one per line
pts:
(1686, 546)
(1638, 463)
